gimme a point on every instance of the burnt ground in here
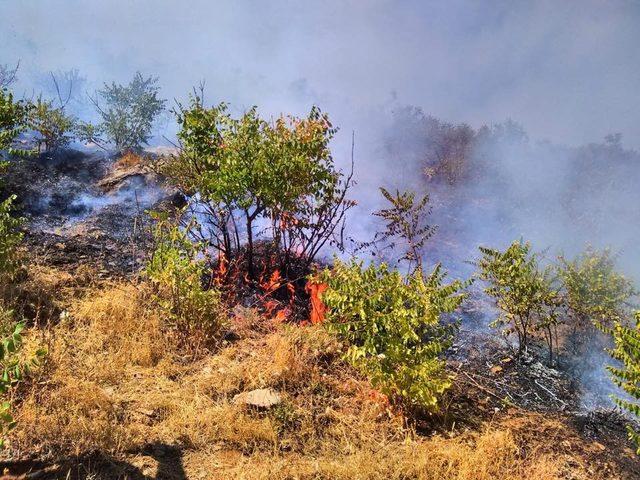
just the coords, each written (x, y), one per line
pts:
(493, 386)
(86, 209)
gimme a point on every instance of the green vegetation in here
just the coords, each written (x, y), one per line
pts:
(177, 274)
(248, 169)
(12, 121)
(13, 368)
(595, 293)
(13, 371)
(127, 112)
(405, 225)
(393, 326)
(10, 238)
(627, 376)
(524, 292)
(13, 116)
(55, 128)
(274, 183)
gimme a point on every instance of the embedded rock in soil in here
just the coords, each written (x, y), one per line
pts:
(263, 398)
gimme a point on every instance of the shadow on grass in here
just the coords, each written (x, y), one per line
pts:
(167, 466)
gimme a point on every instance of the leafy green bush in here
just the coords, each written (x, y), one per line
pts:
(13, 115)
(595, 292)
(627, 376)
(404, 227)
(251, 172)
(393, 326)
(524, 292)
(177, 274)
(13, 369)
(10, 238)
(53, 125)
(127, 112)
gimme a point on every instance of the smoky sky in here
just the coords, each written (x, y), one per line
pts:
(568, 71)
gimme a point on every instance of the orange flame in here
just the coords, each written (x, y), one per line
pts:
(318, 308)
(273, 283)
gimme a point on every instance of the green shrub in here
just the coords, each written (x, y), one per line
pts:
(13, 119)
(627, 376)
(393, 326)
(525, 293)
(249, 173)
(595, 293)
(10, 238)
(177, 273)
(13, 369)
(52, 124)
(127, 112)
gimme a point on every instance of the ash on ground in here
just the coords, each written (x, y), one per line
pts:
(86, 207)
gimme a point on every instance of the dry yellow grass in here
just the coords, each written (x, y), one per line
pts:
(116, 382)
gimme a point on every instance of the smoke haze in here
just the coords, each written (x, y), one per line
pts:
(566, 71)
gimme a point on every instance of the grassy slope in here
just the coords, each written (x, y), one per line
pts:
(120, 397)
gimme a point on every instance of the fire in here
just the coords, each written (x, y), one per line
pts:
(277, 295)
(272, 306)
(222, 268)
(318, 308)
(274, 282)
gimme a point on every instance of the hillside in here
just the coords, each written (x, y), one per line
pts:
(121, 394)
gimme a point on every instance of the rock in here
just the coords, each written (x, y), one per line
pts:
(260, 398)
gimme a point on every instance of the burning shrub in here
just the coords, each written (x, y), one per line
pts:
(177, 274)
(524, 293)
(248, 175)
(127, 118)
(595, 293)
(393, 327)
(627, 377)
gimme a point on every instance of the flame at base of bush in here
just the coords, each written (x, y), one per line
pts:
(318, 308)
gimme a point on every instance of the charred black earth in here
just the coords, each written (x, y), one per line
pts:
(86, 207)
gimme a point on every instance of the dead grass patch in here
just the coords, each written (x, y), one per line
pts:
(117, 383)
(490, 455)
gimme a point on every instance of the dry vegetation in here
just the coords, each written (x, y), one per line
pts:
(119, 397)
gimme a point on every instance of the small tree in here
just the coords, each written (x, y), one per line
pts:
(128, 113)
(55, 128)
(393, 326)
(53, 125)
(524, 293)
(405, 225)
(627, 376)
(595, 293)
(247, 171)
